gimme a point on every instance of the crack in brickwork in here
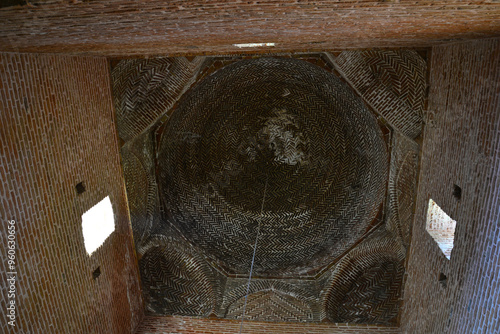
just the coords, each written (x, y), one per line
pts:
(270, 299)
(220, 128)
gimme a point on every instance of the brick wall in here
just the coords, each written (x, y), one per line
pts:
(154, 27)
(461, 147)
(191, 325)
(57, 129)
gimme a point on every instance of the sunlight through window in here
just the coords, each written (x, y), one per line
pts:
(97, 224)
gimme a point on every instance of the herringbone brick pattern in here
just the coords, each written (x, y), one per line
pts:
(280, 300)
(271, 305)
(178, 281)
(287, 122)
(402, 186)
(392, 82)
(366, 284)
(142, 189)
(254, 120)
(144, 89)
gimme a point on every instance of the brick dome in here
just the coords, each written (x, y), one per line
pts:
(281, 122)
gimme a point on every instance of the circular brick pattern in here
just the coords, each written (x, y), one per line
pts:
(281, 122)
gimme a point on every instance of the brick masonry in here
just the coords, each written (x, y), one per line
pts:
(392, 82)
(144, 89)
(122, 27)
(461, 147)
(57, 129)
(191, 325)
(367, 283)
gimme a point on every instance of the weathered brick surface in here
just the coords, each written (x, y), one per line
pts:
(402, 187)
(176, 276)
(191, 325)
(392, 82)
(57, 129)
(154, 27)
(461, 146)
(366, 285)
(144, 89)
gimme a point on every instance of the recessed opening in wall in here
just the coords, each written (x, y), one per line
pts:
(97, 224)
(441, 228)
(443, 279)
(457, 192)
(80, 188)
(96, 273)
(253, 45)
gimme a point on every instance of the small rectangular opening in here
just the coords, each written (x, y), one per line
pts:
(80, 188)
(457, 192)
(443, 279)
(96, 273)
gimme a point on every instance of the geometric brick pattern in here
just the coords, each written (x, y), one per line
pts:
(392, 82)
(141, 206)
(402, 186)
(144, 89)
(270, 300)
(58, 130)
(271, 305)
(290, 123)
(176, 279)
(252, 120)
(366, 285)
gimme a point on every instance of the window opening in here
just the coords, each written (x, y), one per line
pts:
(441, 228)
(97, 224)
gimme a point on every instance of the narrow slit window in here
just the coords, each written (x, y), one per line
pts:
(97, 224)
(457, 192)
(441, 228)
(96, 273)
(443, 280)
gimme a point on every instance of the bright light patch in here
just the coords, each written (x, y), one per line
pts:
(441, 228)
(253, 45)
(97, 224)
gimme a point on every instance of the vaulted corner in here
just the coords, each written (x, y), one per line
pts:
(311, 157)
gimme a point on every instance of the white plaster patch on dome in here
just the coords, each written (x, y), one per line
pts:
(284, 138)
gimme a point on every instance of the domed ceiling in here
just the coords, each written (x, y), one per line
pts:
(293, 156)
(283, 136)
